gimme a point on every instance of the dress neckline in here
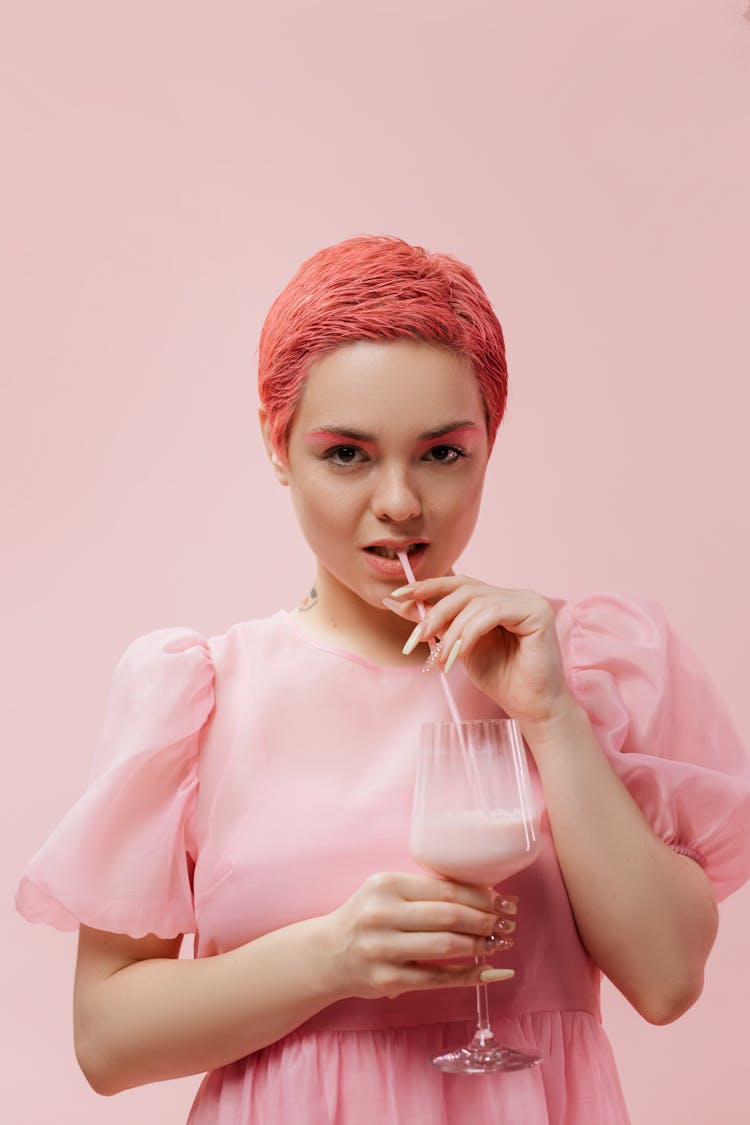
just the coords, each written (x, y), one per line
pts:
(285, 616)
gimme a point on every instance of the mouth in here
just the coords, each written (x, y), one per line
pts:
(383, 559)
(392, 552)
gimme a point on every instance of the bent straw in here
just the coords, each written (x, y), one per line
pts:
(467, 752)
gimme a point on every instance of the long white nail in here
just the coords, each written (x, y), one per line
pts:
(488, 975)
(413, 640)
(452, 656)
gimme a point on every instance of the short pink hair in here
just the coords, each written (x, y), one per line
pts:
(376, 287)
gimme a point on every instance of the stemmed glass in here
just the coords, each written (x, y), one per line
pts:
(474, 820)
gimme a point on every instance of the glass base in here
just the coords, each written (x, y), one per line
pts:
(485, 1056)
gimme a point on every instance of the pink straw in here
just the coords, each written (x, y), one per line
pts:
(467, 753)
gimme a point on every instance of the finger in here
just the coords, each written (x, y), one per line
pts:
(428, 588)
(430, 888)
(436, 945)
(474, 621)
(440, 615)
(444, 916)
(421, 977)
(433, 888)
(517, 612)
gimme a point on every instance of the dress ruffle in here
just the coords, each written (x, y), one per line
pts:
(385, 1075)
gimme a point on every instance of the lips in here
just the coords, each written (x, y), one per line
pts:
(383, 556)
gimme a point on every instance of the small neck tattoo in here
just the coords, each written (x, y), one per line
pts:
(310, 601)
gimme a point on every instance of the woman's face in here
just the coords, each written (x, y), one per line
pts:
(388, 447)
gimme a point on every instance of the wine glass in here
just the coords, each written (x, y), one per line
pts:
(474, 820)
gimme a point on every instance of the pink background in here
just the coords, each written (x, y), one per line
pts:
(167, 168)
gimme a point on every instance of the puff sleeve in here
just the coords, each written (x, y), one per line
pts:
(122, 857)
(664, 728)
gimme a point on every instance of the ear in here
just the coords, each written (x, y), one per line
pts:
(278, 465)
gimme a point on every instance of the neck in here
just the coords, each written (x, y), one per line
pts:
(335, 613)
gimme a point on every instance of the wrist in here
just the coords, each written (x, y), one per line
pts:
(568, 721)
(328, 958)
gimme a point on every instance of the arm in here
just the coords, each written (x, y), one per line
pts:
(646, 914)
(142, 1014)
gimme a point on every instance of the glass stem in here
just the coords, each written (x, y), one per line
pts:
(484, 1031)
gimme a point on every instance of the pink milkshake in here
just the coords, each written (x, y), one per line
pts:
(473, 845)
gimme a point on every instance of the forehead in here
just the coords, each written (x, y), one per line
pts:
(396, 383)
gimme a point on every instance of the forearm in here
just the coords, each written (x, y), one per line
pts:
(645, 913)
(166, 1018)
(157, 1017)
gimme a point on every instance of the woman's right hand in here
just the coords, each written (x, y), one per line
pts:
(395, 931)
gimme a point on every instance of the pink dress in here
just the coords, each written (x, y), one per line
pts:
(251, 779)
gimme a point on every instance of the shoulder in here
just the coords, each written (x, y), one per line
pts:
(166, 665)
(161, 691)
(642, 682)
(633, 618)
(250, 642)
(620, 654)
(182, 653)
(627, 635)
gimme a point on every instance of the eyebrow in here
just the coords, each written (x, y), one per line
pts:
(370, 439)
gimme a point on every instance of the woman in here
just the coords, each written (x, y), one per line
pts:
(255, 787)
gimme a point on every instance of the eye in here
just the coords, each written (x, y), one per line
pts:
(446, 454)
(344, 454)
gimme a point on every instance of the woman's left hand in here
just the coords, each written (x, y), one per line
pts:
(506, 640)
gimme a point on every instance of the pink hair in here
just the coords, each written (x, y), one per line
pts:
(376, 287)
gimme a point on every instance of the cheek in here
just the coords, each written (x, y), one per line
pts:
(464, 516)
(323, 504)
(460, 495)
(459, 508)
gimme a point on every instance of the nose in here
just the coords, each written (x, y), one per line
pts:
(395, 497)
